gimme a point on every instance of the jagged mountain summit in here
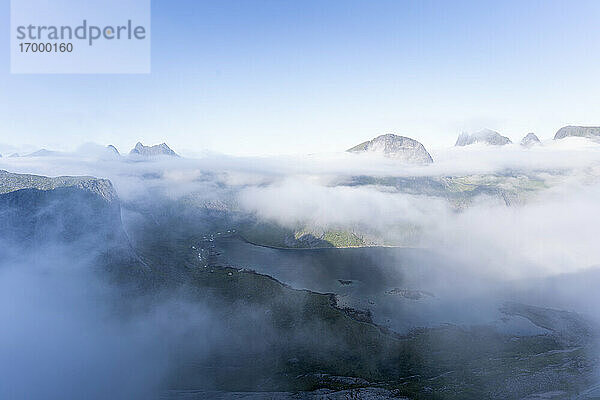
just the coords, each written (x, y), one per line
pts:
(398, 147)
(486, 136)
(592, 132)
(153, 151)
(530, 139)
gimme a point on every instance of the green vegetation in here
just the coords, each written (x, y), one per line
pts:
(340, 238)
(274, 235)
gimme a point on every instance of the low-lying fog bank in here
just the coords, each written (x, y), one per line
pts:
(413, 261)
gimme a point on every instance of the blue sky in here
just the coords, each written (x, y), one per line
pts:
(272, 77)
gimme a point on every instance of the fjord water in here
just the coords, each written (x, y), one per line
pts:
(403, 288)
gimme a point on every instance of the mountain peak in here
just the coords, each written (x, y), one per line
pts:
(394, 146)
(486, 136)
(113, 149)
(152, 151)
(530, 139)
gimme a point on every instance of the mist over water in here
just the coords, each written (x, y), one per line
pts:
(70, 332)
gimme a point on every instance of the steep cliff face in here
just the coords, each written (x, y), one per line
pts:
(578, 131)
(10, 182)
(68, 218)
(36, 209)
(398, 147)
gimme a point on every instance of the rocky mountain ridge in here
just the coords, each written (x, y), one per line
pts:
(10, 182)
(63, 210)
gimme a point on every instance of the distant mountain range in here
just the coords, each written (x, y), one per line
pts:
(398, 147)
(139, 150)
(490, 137)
